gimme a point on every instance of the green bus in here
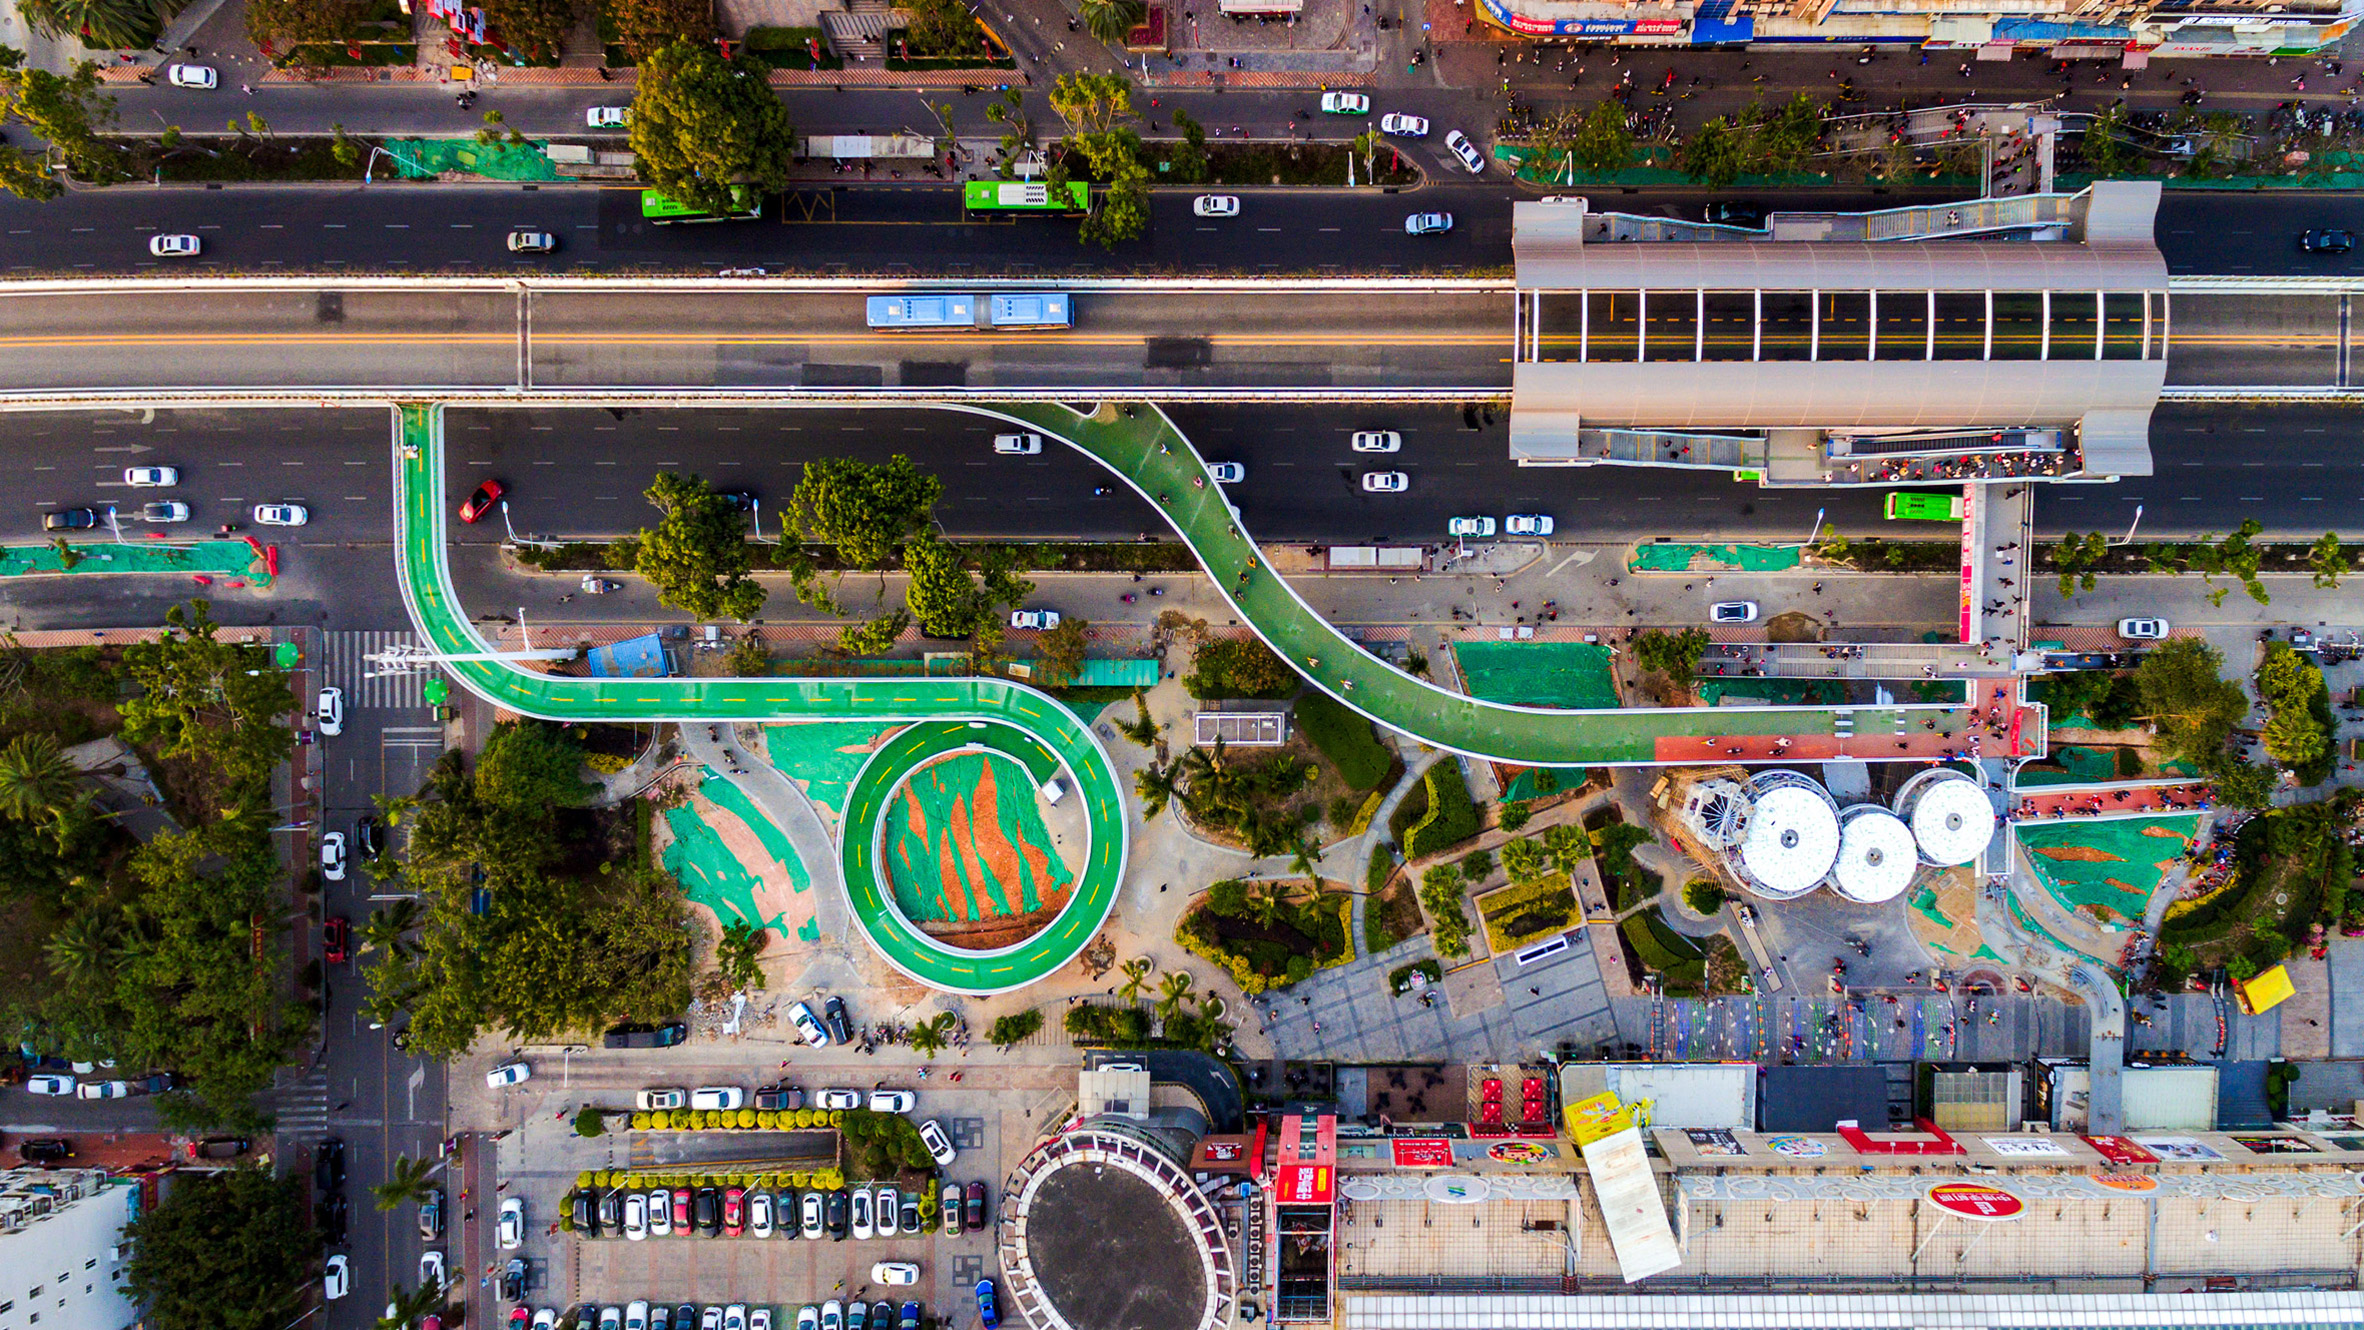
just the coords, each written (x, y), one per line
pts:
(1024, 196)
(1924, 507)
(658, 210)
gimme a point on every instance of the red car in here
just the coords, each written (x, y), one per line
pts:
(337, 937)
(734, 1211)
(681, 1211)
(482, 501)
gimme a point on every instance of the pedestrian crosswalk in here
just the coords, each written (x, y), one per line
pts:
(347, 666)
(303, 1106)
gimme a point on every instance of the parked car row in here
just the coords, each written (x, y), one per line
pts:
(637, 1214)
(70, 1084)
(734, 1316)
(329, 1205)
(832, 1026)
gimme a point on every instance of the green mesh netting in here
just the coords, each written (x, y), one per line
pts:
(425, 159)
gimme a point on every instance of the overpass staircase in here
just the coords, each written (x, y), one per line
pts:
(859, 31)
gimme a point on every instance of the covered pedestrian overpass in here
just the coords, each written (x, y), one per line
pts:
(2020, 338)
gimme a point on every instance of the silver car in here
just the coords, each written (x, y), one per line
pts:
(1428, 223)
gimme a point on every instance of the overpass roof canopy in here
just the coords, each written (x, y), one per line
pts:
(1552, 255)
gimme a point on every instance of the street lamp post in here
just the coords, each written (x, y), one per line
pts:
(2129, 537)
(1816, 530)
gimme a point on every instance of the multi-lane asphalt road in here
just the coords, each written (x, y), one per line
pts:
(918, 229)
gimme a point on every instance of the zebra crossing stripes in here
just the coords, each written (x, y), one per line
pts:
(346, 665)
(303, 1107)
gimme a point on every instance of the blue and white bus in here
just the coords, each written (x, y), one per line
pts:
(950, 310)
(1038, 309)
(1032, 309)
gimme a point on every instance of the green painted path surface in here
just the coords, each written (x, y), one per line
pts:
(713, 876)
(1054, 734)
(213, 558)
(1146, 449)
(1574, 675)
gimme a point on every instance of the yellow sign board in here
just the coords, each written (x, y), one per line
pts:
(1596, 1118)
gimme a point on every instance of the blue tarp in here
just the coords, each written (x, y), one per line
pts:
(1713, 32)
(2037, 30)
(633, 658)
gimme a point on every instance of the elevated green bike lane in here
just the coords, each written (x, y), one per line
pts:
(1146, 449)
(1016, 719)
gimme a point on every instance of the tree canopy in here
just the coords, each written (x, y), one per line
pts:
(865, 511)
(122, 24)
(702, 125)
(282, 25)
(539, 28)
(2190, 706)
(563, 938)
(212, 702)
(644, 27)
(945, 598)
(68, 112)
(229, 1251)
(696, 555)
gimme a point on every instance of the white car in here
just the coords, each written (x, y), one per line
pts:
(1345, 103)
(832, 1315)
(151, 477)
(861, 1218)
(608, 117)
(1733, 611)
(889, 1206)
(162, 511)
(759, 1214)
(1216, 205)
(718, 1097)
(710, 1319)
(892, 1273)
(103, 1090)
(2142, 630)
(1228, 473)
(545, 1318)
(833, 1100)
(1566, 200)
(62, 1085)
(332, 856)
(281, 514)
(1527, 524)
(810, 1219)
(1377, 441)
(939, 1145)
(508, 1074)
(635, 1216)
(734, 1317)
(1410, 126)
(527, 240)
(175, 247)
(1044, 620)
(893, 1101)
(336, 1278)
(1428, 223)
(1017, 445)
(1470, 526)
(431, 1272)
(1465, 150)
(1385, 482)
(331, 708)
(808, 1026)
(635, 1316)
(668, 1097)
(760, 1319)
(512, 1230)
(660, 1215)
(193, 76)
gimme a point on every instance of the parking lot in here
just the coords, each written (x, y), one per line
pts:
(990, 1117)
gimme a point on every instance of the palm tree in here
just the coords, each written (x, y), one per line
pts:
(1136, 971)
(84, 945)
(407, 1306)
(409, 1180)
(1264, 897)
(387, 926)
(1308, 862)
(929, 1037)
(96, 23)
(1110, 20)
(1156, 785)
(1171, 993)
(35, 778)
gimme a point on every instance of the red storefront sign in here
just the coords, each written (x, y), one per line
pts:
(1975, 1200)
(1307, 1184)
(1423, 1152)
(2119, 1150)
